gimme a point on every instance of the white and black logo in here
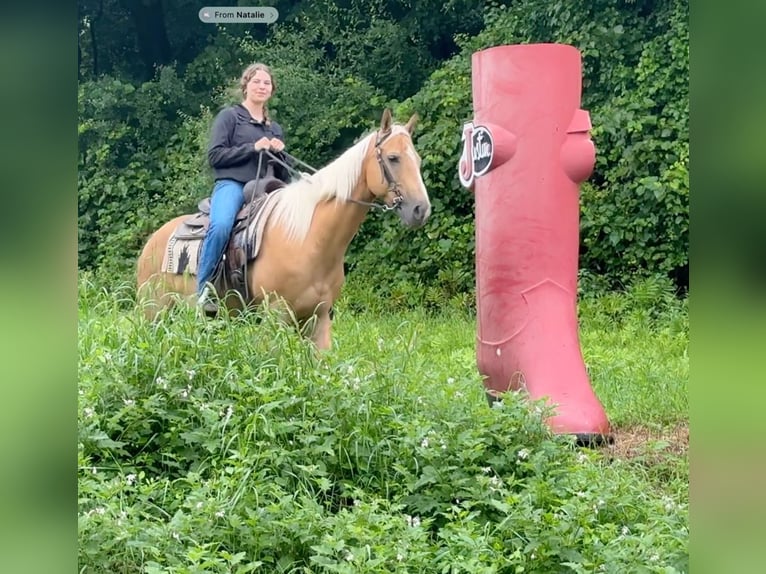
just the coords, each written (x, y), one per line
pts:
(478, 151)
(482, 150)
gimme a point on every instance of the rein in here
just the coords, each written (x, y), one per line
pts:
(393, 185)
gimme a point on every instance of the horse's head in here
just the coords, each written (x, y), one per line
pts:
(392, 172)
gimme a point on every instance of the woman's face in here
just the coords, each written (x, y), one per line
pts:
(259, 87)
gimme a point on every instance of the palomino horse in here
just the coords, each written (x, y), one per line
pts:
(309, 229)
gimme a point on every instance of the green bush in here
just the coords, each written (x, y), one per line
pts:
(130, 181)
(635, 212)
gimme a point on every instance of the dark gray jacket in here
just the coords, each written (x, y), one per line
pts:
(231, 153)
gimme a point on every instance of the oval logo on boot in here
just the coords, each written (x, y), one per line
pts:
(482, 150)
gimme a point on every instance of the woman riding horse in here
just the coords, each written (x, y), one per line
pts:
(308, 227)
(240, 135)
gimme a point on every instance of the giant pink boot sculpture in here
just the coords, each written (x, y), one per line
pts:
(525, 154)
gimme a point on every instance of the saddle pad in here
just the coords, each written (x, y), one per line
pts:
(182, 254)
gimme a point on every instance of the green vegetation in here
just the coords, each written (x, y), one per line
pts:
(230, 446)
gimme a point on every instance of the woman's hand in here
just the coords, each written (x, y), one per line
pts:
(276, 144)
(262, 144)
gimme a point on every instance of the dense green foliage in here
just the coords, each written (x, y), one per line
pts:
(142, 139)
(231, 447)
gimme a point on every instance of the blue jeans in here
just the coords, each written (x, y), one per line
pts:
(225, 203)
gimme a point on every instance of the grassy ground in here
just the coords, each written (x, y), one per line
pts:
(229, 446)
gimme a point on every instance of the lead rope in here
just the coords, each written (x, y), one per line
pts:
(383, 207)
(289, 167)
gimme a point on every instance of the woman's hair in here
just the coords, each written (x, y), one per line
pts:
(248, 74)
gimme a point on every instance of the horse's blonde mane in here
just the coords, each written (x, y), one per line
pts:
(295, 204)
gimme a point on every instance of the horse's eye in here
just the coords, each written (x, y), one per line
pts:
(393, 157)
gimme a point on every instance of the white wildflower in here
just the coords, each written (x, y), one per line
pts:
(349, 557)
(88, 412)
(451, 380)
(486, 469)
(220, 514)
(399, 556)
(190, 373)
(582, 457)
(598, 505)
(380, 344)
(458, 395)
(413, 521)
(130, 479)
(129, 402)
(161, 382)
(424, 443)
(199, 505)
(93, 470)
(625, 530)
(523, 454)
(176, 536)
(654, 557)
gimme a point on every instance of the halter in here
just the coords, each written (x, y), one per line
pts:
(385, 168)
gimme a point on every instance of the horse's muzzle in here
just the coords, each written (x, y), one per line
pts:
(415, 214)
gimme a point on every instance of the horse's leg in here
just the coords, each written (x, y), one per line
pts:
(159, 293)
(149, 301)
(321, 334)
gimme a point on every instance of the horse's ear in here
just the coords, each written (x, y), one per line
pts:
(411, 123)
(385, 121)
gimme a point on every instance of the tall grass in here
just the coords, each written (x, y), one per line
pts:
(231, 446)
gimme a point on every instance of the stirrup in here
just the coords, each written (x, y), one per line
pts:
(206, 303)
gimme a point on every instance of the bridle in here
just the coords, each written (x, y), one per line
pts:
(388, 177)
(385, 168)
